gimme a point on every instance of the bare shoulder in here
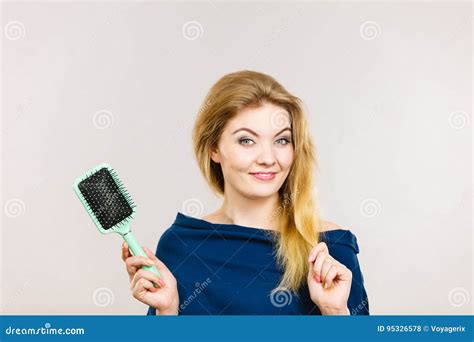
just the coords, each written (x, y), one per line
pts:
(212, 217)
(327, 226)
(209, 217)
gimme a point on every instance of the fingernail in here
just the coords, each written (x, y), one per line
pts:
(318, 280)
(150, 262)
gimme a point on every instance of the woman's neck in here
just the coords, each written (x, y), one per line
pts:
(250, 212)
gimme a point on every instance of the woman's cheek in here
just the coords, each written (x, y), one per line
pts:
(286, 158)
(241, 160)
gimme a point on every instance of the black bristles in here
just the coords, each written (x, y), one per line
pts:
(107, 198)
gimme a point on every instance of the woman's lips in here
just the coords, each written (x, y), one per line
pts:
(264, 175)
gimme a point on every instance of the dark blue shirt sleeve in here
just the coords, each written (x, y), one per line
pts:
(343, 247)
(161, 253)
(151, 311)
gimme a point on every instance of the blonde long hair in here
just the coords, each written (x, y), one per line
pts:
(297, 215)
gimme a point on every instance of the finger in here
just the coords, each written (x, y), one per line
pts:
(333, 262)
(133, 263)
(148, 285)
(139, 261)
(141, 287)
(131, 270)
(148, 275)
(316, 249)
(318, 263)
(160, 265)
(344, 273)
(151, 276)
(150, 254)
(324, 270)
(125, 251)
(332, 273)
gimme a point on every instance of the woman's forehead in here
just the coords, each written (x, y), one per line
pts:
(267, 118)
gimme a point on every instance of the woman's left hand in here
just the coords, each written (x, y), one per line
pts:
(329, 281)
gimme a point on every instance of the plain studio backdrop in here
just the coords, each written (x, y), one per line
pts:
(387, 88)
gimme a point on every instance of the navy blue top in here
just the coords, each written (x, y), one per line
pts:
(227, 269)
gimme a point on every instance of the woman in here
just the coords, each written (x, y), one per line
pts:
(265, 250)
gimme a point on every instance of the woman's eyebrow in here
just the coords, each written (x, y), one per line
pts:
(254, 133)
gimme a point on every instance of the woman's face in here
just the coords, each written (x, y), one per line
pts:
(255, 151)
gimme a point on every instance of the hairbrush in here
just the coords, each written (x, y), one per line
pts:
(109, 205)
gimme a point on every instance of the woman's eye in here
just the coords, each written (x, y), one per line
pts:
(284, 141)
(248, 141)
(245, 141)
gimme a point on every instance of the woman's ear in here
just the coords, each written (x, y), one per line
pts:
(215, 154)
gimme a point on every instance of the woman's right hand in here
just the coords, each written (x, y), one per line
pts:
(165, 298)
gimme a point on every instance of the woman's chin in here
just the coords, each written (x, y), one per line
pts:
(263, 193)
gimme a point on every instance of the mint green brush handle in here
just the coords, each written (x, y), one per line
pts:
(138, 250)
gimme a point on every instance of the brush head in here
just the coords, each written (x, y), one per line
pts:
(105, 197)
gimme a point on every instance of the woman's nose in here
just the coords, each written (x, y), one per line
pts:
(266, 155)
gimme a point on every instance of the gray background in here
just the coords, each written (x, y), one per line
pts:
(387, 87)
